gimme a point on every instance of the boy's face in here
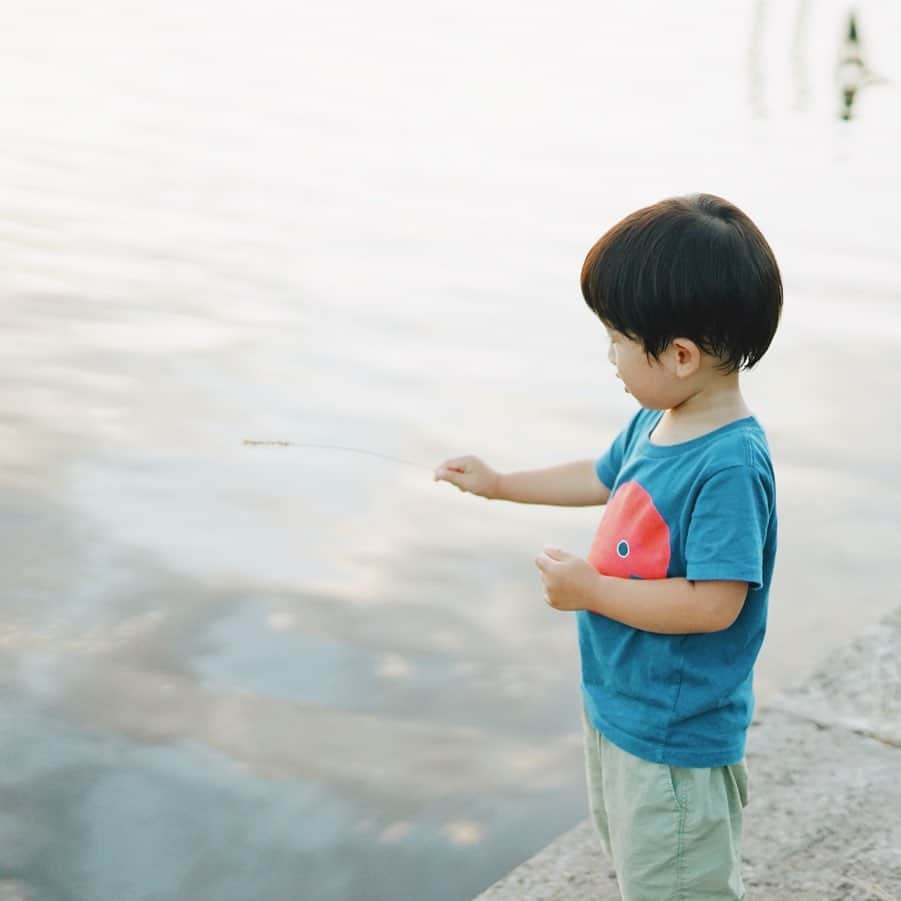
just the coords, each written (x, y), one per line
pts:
(645, 378)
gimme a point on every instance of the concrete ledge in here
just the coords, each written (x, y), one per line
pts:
(824, 818)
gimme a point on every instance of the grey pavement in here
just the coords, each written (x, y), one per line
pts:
(824, 819)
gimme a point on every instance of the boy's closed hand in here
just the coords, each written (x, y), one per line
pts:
(470, 474)
(568, 579)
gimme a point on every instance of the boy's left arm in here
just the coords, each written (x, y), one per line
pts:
(672, 606)
(723, 552)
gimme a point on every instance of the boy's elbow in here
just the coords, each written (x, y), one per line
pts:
(724, 622)
(726, 600)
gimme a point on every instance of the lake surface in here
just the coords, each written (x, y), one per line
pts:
(241, 672)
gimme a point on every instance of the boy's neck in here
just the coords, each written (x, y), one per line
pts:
(713, 404)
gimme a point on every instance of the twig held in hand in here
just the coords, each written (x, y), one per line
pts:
(358, 450)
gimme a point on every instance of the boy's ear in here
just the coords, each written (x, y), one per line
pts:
(684, 357)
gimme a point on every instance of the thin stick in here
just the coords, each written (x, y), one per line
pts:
(358, 450)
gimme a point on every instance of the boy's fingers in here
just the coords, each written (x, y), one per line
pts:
(450, 470)
(460, 464)
(450, 479)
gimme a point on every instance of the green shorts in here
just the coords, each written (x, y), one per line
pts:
(673, 833)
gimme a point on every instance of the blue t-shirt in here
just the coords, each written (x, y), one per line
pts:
(702, 509)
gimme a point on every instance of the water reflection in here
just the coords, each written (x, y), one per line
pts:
(852, 71)
(228, 728)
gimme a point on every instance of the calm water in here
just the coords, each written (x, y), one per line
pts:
(234, 672)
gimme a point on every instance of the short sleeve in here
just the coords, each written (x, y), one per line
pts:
(608, 465)
(728, 527)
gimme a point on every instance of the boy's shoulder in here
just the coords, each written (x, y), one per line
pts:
(741, 437)
(738, 450)
(735, 463)
(741, 443)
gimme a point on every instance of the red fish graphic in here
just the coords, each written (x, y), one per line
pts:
(632, 540)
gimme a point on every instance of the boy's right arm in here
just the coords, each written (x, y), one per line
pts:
(573, 484)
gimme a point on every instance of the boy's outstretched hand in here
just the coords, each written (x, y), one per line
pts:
(469, 473)
(568, 579)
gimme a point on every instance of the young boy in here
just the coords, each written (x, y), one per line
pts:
(672, 599)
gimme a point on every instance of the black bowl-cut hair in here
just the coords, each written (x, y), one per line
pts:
(687, 267)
